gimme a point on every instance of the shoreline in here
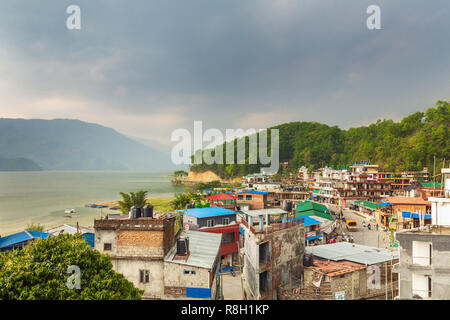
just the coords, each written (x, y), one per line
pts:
(86, 219)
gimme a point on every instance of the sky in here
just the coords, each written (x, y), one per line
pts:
(146, 68)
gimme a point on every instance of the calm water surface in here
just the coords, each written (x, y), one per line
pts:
(42, 197)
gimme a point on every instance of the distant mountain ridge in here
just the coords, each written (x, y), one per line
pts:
(65, 144)
(18, 164)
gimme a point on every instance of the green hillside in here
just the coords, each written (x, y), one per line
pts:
(410, 144)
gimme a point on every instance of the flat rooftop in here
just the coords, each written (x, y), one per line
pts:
(263, 212)
(353, 252)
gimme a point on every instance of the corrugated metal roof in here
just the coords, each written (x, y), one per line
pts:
(21, 237)
(253, 191)
(207, 212)
(352, 252)
(203, 247)
(70, 229)
(255, 213)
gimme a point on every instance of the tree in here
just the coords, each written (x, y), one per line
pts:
(35, 227)
(39, 272)
(137, 199)
(182, 199)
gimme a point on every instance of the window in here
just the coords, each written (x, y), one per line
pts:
(240, 197)
(189, 272)
(144, 276)
(210, 223)
(226, 220)
(248, 197)
(421, 285)
(107, 247)
(422, 252)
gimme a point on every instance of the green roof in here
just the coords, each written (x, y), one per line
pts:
(368, 204)
(431, 184)
(309, 208)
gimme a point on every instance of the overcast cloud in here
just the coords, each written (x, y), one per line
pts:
(148, 67)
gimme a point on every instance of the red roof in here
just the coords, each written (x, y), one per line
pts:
(221, 196)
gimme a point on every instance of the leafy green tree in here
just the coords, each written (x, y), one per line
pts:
(410, 144)
(137, 199)
(35, 227)
(182, 199)
(180, 173)
(39, 272)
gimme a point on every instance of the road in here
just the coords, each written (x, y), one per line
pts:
(363, 235)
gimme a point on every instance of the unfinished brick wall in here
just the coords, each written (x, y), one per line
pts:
(139, 238)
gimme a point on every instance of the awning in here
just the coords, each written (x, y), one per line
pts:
(385, 204)
(314, 237)
(407, 214)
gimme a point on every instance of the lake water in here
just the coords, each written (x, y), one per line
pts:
(42, 197)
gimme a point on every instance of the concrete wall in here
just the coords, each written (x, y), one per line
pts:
(154, 289)
(286, 250)
(175, 277)
(439, 270)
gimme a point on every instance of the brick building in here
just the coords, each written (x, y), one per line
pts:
(194, 274)
(347, 271)
(255, 199)
(273, 252)
(137, 248)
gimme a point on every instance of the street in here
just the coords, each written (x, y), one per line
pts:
(363, 235)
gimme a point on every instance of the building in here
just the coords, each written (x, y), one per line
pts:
(348, 271)
(278, 197)
(20, 240)
(137, 247)
(360, 187)
(254, 199)
(317, 212)
(273, 252)
(423, 190)
(191, 267)
(216, 220)
(313, 234)
(223, 200)
(409, 211)
(425, 253)
(87, 233)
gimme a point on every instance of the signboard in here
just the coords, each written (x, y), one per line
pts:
(340, 295)
(186, 226)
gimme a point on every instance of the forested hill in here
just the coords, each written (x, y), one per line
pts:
(410, 144)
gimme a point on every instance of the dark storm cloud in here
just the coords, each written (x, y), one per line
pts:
(231, 63)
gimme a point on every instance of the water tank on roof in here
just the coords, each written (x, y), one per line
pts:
(147, 211)
(287, 206)
(183, 246)
(308, 260)
(133, 212)
(138, 212)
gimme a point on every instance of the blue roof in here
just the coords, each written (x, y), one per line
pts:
(253, 191)
(307, 221)
(207, 212)
(310, 221)
(407, 214)
(314, 237)
(21, 237)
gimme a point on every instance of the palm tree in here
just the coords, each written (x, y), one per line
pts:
(137, 199)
